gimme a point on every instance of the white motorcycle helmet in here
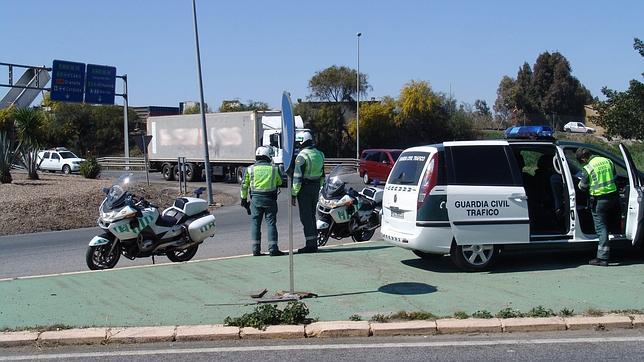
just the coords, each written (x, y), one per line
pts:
(302, 137)
(264, 152)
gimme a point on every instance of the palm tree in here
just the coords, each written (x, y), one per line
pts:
(8, 154)
(29, 131)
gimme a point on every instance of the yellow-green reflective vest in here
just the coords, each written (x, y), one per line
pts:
(261, 178)
(601, 175)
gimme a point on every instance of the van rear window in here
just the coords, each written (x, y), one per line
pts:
(408, 168)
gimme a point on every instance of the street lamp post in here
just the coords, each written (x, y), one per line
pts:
(358, 101)
(203, 110)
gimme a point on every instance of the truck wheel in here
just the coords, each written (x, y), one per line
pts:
(67, 170)
(189, 173)
(474, 257)
(167, 171)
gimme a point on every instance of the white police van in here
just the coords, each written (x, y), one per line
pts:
(469, 199)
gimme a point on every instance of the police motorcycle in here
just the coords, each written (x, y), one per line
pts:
(135, 228)
(343, 212)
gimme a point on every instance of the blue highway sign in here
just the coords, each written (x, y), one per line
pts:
(67, 81)
(100, 84)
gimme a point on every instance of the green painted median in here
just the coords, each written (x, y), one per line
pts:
(362, 279)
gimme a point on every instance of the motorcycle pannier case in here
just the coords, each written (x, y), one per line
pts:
(202, 228)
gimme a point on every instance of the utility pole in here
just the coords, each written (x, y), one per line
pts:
(358, 101)
(202, 107)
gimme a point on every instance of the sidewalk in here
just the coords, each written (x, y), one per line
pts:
(360, 278)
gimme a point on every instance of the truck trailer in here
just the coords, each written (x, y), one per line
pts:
(233, 138)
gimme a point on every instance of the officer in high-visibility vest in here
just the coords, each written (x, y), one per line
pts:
(308, 177)
(598, 176)
(263, 179)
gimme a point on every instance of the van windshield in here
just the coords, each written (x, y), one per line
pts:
(408, 168)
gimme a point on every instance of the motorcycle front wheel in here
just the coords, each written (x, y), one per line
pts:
(363, 235)
(323, 236)
(103, 256)
(178, 256)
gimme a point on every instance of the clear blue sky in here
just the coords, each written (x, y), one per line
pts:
(256, 49)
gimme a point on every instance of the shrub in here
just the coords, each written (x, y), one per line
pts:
(565, 312)
(355, 318)
(540, 311)
(509, 313)
(90, 168)
(295, 312)
(379, 318)
(594, 312)
(461, 315)
(482, 314)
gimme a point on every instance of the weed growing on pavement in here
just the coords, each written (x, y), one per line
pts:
(565, 312)
(264, 315)
(540, 311)
(626, 311)
(509, 313)
(412, 316)
(53, 327)
(461, 315)
(379, 318)
(482, 314)
(355, 318)
(594, 312)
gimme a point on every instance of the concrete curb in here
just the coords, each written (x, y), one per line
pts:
(315, 330)
(603, 322)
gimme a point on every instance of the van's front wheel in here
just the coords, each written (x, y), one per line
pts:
(474, 257)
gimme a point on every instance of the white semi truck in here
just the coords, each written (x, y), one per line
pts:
(232, 140)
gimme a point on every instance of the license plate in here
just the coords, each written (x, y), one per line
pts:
(397, 214)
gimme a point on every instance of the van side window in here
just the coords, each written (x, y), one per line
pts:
(480, 166)
(54, 156)
(46, 155)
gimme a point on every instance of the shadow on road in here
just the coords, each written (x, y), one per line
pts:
(407, 288)
(362, 247)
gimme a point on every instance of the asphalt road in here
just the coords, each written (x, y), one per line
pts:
(64, 251)
(623, 345)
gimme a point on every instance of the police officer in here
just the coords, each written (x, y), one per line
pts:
(263, 179)
(308, 176)
(598, 176)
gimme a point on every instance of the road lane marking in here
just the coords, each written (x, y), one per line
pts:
(437, 344)
(159, 264)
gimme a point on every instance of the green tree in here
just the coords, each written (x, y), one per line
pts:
(539, 92)
(622, 113)
(195, 109)
(504, 105)
(237, 106)
(377, 125)
(334, 85)
(422, 114)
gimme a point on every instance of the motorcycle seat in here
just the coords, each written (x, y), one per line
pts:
(165, 220)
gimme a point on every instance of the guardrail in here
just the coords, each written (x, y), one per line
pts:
(138, 163)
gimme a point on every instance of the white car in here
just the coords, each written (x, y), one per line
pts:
(59, 159)
(470, 199)
(577, 127)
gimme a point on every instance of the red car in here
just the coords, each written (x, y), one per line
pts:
(375, 164)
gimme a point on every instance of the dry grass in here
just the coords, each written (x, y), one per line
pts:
(62, 202)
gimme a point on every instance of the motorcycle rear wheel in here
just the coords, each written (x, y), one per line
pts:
(323, 236)
(363, 235)
(178, 256)
(97, 257)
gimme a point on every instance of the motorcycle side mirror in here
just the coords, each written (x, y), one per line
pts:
(106, 190)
